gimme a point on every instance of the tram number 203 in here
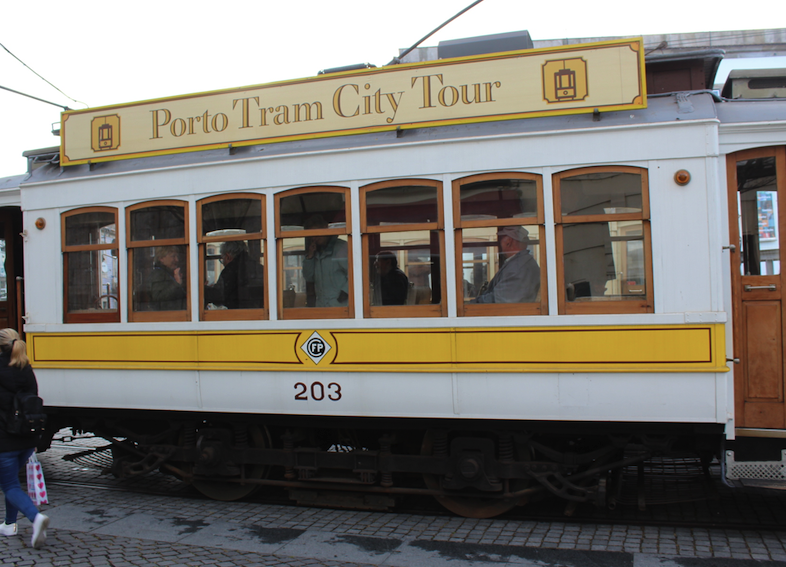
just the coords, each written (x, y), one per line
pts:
(318, 391)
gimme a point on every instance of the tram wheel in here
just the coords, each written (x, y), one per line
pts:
(469, 502)
(230, 490)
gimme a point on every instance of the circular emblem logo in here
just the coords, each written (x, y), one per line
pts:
(315, 347)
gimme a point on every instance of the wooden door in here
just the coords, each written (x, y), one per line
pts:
(757, 193)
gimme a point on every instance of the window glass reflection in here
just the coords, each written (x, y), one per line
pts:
(757, 200)
(244, 216)
(158, 223)
(316, 271)
(90, 228)
(499, 199)
(601, 193)
(501, 264)
(411, 204)
(297, 211)
(3, 277)
(160, 278)
(234, 275)
(604, 261)
(92, 281)
(404, 268)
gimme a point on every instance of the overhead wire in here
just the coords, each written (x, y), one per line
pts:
(43, 79)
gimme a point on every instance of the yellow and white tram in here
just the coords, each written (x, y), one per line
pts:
(649, 230)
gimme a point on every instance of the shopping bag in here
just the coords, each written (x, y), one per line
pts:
(36, 486)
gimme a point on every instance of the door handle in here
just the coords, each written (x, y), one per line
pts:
(771, 287)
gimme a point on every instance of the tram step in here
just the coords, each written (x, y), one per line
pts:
(755, 470)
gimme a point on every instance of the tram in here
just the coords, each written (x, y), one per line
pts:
(476, 279)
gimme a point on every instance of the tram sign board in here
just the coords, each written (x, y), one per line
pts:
(503, 86)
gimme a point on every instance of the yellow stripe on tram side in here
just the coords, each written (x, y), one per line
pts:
(677, 348)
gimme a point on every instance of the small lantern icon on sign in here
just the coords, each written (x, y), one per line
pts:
(565, 80)
(105, 132)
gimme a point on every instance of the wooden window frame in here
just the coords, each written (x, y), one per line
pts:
(347, 312)
(109, 317)
(405, 311)
(202, 241)
(497, 309)
(645, 305)
(131, 246)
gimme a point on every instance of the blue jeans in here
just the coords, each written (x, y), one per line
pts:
(16, 499)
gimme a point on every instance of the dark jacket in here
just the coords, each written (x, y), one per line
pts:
(12, 380)
(240, 285)
(166, 293)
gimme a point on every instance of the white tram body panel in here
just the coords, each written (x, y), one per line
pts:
(689, 271)
(357, 348)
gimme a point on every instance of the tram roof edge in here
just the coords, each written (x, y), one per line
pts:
(661, 110)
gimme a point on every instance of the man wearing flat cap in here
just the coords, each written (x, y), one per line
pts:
(518, 280)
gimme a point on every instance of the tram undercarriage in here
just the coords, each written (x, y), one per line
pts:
(473, 469)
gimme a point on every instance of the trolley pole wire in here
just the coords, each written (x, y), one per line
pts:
(34, 98)
(397, 60)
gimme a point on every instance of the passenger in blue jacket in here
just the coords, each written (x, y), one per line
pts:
(16, 375)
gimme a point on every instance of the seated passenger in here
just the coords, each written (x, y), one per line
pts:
(240, 285)
(167, 282)
(518, 280)
(392, 284)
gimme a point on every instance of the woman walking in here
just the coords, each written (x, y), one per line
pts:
(16, 375)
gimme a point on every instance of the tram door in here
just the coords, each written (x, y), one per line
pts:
(757, 204)
(9, 223)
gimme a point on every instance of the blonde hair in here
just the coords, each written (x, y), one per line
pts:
(11, 343)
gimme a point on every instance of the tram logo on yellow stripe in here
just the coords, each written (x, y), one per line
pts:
(565, 80)
(105, 132)
(316, 347)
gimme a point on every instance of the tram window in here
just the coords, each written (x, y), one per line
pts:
(314, 253)
(90, 263)
(499, 245)
(603, 240)
(403, 247)
(757, 203)
(158, 261)
(231, 249)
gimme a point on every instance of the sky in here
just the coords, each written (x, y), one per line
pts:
(101, 53)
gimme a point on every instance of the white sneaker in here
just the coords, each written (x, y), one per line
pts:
(7, 529)
(39, 531)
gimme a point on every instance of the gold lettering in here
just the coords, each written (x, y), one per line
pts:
(224, 121)
(488, 86)
(464, 93)
(337, 101)
(205, 125)
(283, 115)
(157, 123)
(178, 127)
(393, 104)
(307, 107)
(454, 96)
(426, 88)
(244, 110)
(263, 116)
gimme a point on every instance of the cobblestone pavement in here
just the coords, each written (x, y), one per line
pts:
(98, 527)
